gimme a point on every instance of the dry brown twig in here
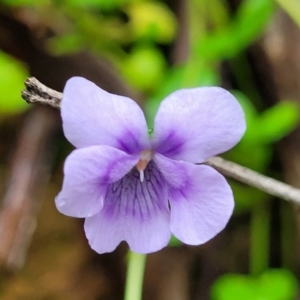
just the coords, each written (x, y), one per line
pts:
(36, 92)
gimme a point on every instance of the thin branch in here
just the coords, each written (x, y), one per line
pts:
(252, 178)
(36, 92)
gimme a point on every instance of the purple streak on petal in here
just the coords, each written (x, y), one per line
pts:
(88, 172)
(173, 147)
(174, 172)
(133, 147)
(133, 211)
(200, 198)
(195, 124)
(92, 117)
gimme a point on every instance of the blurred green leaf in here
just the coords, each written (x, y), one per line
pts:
(269, 126)
(152, 21)
(233, 287)
(100, 4)
(279, 284)
(26, 2)
(247, 25)
(144, 68)
(274, 284)
(254, 12)
(12, 78)
(67, 43)
(274, 123)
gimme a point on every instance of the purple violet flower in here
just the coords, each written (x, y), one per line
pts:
(137, 188)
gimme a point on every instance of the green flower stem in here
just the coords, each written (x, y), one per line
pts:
(135, 275)
(260, 235)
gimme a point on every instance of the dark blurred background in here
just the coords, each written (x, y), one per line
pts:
(146, 49)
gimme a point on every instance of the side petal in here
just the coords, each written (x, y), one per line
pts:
(133, 211)
(91, 116)
(195, 124)
(200, 198)
(88, 172)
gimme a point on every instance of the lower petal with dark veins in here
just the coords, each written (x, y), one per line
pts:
(134, 211)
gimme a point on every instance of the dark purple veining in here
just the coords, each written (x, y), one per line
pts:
(134, 198)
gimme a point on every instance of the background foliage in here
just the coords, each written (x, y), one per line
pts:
(142, 40)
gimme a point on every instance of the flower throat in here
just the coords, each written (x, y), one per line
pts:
(146, 156)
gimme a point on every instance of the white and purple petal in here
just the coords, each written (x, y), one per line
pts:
(200, 198)
(195, 124)
(88, 172)
(91, 116)
(133, 211)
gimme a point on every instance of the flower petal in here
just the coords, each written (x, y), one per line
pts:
(88, 172)
(195, 124)
(133, 211)
(200, 198)
(91, 116)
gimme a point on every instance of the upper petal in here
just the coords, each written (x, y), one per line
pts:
(91, 116)
(195, 124)
(133, 211)
(200, 198)
(88, 172)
